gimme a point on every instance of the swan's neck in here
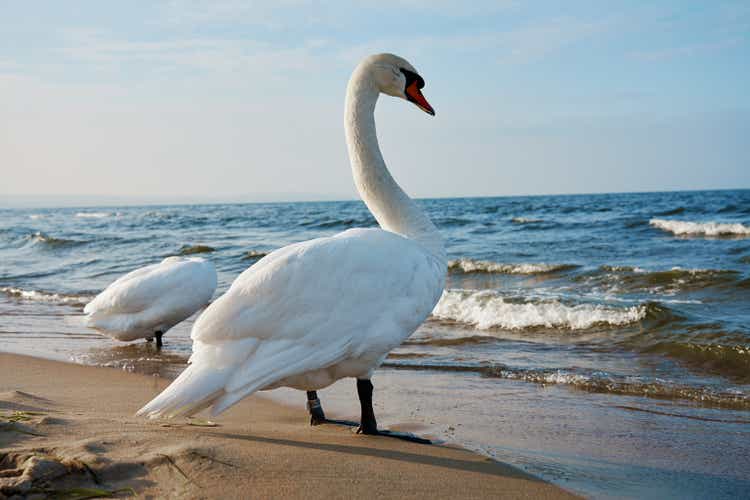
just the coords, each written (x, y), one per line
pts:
(389, 204)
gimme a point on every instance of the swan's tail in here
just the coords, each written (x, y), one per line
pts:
(203, 381)
(196, 388)
(222, 374)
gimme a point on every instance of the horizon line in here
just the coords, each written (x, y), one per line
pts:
(302, 199)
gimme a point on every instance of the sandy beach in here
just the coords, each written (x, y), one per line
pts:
(64, 427)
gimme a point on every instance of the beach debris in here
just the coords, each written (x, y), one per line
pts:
(197, 422)
(171, 462)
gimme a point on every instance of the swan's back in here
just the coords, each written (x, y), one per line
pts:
(151, 298)
(358, 279)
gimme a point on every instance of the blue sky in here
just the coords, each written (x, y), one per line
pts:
(243, 101)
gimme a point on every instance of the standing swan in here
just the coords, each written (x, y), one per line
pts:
(147, 302)
(311, 313)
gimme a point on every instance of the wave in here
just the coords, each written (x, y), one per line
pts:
(253, 255)
(701, 228)
(194, 249)
(51, 297)
(452, 221)
(39, 238)
(339, 223)
(525, 220)
(596, 382)
(731, 361)
(674, 211)
(96, 215)
(487, 310)
(620, 269)
(628, 279)
(482, 266)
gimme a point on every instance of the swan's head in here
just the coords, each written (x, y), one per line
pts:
(394, 76)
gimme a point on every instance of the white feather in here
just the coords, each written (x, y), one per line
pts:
(152, 298)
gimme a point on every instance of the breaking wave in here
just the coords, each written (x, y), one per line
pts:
(525, 220)
(679, 227)
(44, 240)
(50, 297)
(483, 266)
(95, 215)
(487, 309)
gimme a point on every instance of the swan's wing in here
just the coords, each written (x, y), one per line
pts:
(359, 280)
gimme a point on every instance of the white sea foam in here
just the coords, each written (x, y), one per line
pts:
(484, 266)
(705, 228)
(487, 309)
(93, 215)
(525, 220)
(39, 296)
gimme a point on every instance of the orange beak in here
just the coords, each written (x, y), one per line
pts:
(414, 95)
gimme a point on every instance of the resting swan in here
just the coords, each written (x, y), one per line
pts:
(314, 312)
(147, 302)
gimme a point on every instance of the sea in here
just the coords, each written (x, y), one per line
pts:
(601, 342)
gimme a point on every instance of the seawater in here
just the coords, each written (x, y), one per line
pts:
(599, 341)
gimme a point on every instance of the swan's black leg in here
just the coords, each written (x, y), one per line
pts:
(368, 425)
(158, 335)
(317, 416)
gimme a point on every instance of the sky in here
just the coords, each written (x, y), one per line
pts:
(191, 101)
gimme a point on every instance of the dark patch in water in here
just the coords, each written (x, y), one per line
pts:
(194, 249)
(680, 415)
(728, 209)
(525, 220)
(339, 223)
(634, 223)
(437, 341)
(452, 222)
(674, 211)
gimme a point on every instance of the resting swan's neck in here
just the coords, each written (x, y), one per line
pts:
(388, 203)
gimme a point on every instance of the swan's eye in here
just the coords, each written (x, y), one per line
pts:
(412, 77)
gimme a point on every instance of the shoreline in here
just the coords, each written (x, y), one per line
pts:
(75, 427)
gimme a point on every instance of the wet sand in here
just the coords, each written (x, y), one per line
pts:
(65, 426)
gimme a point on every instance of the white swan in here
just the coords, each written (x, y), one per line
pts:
(311, 313)
(147, 302)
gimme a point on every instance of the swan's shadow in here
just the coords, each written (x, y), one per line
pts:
(487, 466)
